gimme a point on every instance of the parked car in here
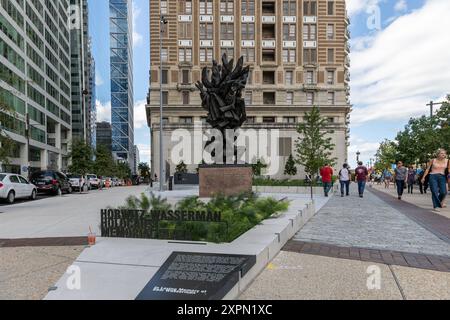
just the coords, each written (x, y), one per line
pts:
(14, 186)
(50, 181)
(115, 182)
(78, 181)
(94, 181)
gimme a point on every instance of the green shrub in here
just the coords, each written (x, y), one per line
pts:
(241, 213)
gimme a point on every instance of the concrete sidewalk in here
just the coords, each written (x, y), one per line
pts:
(309, 277)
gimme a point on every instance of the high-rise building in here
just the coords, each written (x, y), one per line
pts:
(103, 134)
(137, 159)
(297, 51)
(122, 114)
(92, 120)
(81, 56)
(35, 82)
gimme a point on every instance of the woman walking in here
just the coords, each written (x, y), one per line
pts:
(401, 174)
(387, 177)
(344, 179)
(411, 179)
(438, 171)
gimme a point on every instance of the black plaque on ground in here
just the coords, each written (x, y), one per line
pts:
(196, 276)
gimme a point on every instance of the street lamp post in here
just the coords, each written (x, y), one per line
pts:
(162, 22)
(357, 156)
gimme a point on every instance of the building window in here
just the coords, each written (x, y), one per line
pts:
(309, 7)
(185, 55)
(268, 77)
(330, 8)
(185, 6)
(310, 98)
(309, 32)
(289, 32)
(269, 97)
(251, 120)
(185, 96)
(268, 119)
(289, 120)
(289, 7)
(248, 54)
(164, 77)
(165, 98)
(330, 77)
(289, 98)
(289, 78)
(284, 146)
(185, 119)
(164, 54)
(250, 77)
(229, 52)
(268, 7)
(185, 30)
(331, 98)
(206, 7)
(248, 98)
(206, 31)
(185, 77)
(330, 120)
(227, 7)
(206, 54)
(288, 55)
(330, 31)
(268, 55)
(226, 31)
(330, 55)
(248, 7)
(248, 31)
(165, 120)
(163, 7)
(309, 56)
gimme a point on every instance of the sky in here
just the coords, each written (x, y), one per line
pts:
(399, 62)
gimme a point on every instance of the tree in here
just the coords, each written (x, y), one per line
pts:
(144, 170)
(386, 155)
(290, 168)
(258, 166)
(104, 164)
(122, 170)
(81, 155)
(313, 147)
(7, 115)
(181, 167)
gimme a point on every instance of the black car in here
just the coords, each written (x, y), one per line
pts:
(50, 181)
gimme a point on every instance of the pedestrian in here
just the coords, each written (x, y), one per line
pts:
(411, 179)
(438, 171)
(156, 177)
(419, 173)
(326, 172)
(387, 177)
(400, 174)
(361, 175)
(344, 179)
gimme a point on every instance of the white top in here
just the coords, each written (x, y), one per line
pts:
(344, 175)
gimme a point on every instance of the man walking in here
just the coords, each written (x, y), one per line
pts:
(344, 179)
(361, 174)
(326, 173)
(401, 174)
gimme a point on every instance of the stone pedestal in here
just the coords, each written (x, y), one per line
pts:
(226, 179)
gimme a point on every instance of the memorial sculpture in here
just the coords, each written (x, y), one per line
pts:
(221, 94)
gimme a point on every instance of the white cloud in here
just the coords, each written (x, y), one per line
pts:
(355, 7)
(103, 111)
(403, 66)
(98, 79)
(367, 150)
(140, 116)
(401, 5)
(137, 37)
(144, 152)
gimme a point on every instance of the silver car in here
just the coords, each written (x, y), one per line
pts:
(14, 186)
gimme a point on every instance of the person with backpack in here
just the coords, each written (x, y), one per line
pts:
(386, 177)
(344, 179)
(438, 171)
(411, 179)
(361, 175)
